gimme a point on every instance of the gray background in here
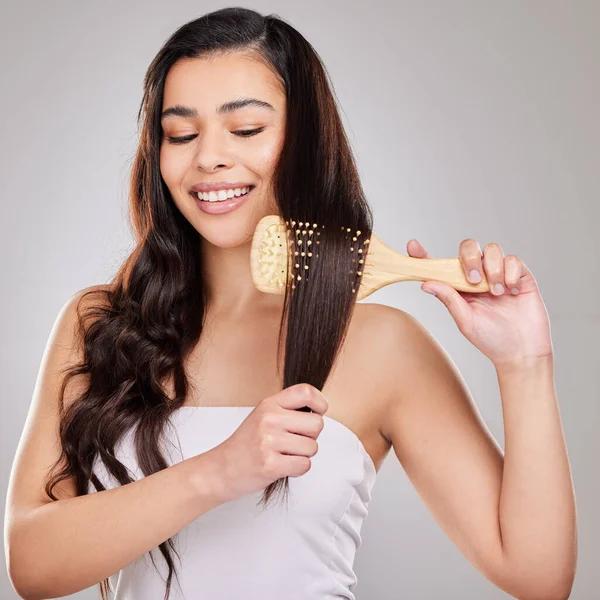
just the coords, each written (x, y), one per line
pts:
(469, 119)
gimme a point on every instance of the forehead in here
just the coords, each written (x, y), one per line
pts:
(206, 83)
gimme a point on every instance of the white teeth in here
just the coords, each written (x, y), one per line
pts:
(222, 194)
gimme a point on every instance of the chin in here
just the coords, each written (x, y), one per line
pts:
(230, 230)
(227, 237)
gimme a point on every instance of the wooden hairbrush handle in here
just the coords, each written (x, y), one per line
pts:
(383, 266)
(376, 265)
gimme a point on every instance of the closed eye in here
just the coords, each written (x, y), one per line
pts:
(240, 133)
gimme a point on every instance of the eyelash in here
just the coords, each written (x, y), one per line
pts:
(244, 133)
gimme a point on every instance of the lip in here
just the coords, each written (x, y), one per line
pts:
(219, 185)
(223, 207)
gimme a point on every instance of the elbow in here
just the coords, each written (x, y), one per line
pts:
(536, 592)
(560, 591)
(22, 582)
(23, 576)
(29, 584)
(554, 594)
(21, 579)
(564, 591)
(526, 583)
(547, 590)
(537, 575)
(31, 577)
(25, 586)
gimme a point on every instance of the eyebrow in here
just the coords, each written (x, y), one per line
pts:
(179, 110)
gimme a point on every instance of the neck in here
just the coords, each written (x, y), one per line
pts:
(228, 281)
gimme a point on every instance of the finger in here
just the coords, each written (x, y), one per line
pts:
(455, 303)
(469, 253)
(493, 265)
(296, 445)
(513, 270)
(310, 424)
(415, 249)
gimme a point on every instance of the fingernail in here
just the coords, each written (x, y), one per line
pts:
(474, 276)
(430, 292)
(498, 288)
(515, 291)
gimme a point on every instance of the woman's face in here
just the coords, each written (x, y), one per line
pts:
(216, 150)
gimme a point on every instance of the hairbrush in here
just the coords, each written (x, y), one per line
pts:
(278, 245)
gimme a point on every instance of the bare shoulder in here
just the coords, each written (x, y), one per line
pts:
(372, 311)
(84, 298)
(379, 337)
(394, 334)
(92, 295)
(66, 324)
(387, 330)
(396, 347)
(65, 344)
(419, 377)
(39, 445)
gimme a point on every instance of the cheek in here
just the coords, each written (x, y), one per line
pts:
(171, 169)
(264, 156)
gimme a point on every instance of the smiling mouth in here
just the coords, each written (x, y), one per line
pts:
(216, 201)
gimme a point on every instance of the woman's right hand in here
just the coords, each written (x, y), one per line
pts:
(275, 440)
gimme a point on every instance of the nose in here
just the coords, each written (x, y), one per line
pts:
(213, 151)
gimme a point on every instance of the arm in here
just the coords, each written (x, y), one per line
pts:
(512, 515)
(537, 511)
(56, 548)
(71, 544)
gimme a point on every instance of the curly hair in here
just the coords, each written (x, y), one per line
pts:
(141, 327)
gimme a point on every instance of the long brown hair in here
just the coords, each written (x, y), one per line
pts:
(141, 330)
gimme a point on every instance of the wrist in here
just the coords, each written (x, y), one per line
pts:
(525, 365)
(208, 478)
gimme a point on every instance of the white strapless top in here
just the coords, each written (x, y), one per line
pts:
(238, 551)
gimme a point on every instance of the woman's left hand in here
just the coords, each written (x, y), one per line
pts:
(507, 327)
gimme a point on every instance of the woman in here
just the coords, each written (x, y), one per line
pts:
(181, 351)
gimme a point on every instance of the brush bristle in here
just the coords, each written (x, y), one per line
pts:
(279, 245)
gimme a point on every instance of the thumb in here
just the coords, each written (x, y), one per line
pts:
(457, 306)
